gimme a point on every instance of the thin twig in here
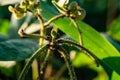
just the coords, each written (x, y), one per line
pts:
(68, 62)
(83, 49)
(42, 29)
(28, 64)
(44, 64)
(53, 19)
(79, 31)
(23, 34)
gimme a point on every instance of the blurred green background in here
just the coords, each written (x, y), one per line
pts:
(102, 15)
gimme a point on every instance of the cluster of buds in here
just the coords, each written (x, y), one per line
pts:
(75, 11)
(20, 9)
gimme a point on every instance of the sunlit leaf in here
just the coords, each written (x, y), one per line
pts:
(92, 40)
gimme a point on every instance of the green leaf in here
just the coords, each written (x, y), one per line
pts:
(92, 39)
(17, 49)
(114, 29)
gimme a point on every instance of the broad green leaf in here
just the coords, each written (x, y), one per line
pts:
(92, 39)
(115, 76)
(17, 49)
(114, 29)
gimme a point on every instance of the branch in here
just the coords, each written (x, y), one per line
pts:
(83, 49)
(68, 62)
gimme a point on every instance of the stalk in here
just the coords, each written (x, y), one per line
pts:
(68, 62)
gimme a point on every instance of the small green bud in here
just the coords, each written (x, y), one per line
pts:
(75, 11)
(73, 6)
(81, 14)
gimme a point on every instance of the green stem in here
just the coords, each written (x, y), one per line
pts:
(33, 36)
(42, 67)
(42, 33)
(78, 28)
(28, 64)
(68, 62)
(41, 40)
(83, 49)
(53, 19)
(42, 29)
(59, 8)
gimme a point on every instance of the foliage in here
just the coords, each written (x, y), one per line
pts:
(99, 48)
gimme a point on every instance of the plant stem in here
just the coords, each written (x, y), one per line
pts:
(80, 47)
(42, 67)
(68, 62)
(23, 34)
(28, 64)
(53, 19)
(41, 40)
(78, 28)
(42, 29)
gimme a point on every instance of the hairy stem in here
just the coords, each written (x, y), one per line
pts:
(78, 28)
(23, 34)
(42, 67)
(53, 19)
(42, 29)
(66, 57)
(83, 49)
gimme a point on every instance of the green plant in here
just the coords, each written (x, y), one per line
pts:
(73, 12)
(85, 38)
